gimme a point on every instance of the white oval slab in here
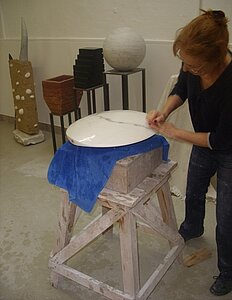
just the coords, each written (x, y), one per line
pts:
(110, 129)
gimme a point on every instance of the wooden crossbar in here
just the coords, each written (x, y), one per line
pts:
(90, 282)
(89, 234)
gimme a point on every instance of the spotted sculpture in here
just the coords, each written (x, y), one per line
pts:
(23, 88)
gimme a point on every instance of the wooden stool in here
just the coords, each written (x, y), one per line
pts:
(128, 209)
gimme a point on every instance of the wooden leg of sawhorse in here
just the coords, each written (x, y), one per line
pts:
(167, 209)
(67, 219)
(151, 216)
(129, 254)
(166, 205)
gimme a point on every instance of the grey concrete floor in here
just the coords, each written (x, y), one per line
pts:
(28, 219)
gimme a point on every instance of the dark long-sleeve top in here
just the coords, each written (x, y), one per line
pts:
(211, 108)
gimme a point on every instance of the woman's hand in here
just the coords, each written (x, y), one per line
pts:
(156, 121)
(154, 117)
(166, 129)
(172, 132)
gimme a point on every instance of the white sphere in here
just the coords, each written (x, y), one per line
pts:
(123, 49)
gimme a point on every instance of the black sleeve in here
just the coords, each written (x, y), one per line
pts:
(180, 87)
(221, 138)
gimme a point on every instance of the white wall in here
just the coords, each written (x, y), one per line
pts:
(57, 29)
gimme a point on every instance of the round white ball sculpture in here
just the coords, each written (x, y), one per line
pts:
(124, 49)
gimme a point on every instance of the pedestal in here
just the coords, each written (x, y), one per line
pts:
(124, 79)
(77, 115)
(91, 97)
(28, 139)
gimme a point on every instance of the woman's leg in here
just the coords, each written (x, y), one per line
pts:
(202, 166)
(224, 214)
(223, 283)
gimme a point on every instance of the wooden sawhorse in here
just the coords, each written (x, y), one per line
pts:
(127, 209)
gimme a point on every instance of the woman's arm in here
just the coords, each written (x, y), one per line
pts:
(172, 103)
(170, 131)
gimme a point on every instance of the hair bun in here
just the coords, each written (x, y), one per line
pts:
(218, 16)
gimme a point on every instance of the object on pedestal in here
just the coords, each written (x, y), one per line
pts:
(88, 68)
(24, 96)
(124, 49)
(23, 88)
(62, 99)
(112, 128)
(101, 139)
(59, 94)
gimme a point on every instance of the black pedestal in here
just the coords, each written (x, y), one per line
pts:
(124, 78)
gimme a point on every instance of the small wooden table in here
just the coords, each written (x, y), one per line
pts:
(127, 209)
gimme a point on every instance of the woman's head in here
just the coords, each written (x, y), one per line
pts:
(204, 39)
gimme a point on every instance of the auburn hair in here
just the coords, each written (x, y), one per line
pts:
(206, 37)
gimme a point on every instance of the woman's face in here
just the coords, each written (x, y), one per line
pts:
(192, 64)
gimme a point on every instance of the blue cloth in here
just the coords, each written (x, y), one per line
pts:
(84, 171)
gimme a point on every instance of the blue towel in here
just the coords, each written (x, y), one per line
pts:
(84, 171)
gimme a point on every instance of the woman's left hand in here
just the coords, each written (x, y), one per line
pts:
(165, 128)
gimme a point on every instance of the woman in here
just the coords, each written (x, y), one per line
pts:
(205, 79)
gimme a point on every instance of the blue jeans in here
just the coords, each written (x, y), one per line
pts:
(204, 163)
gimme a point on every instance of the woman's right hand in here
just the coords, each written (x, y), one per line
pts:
(154, 116)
